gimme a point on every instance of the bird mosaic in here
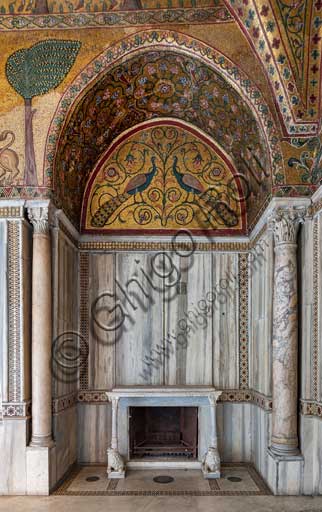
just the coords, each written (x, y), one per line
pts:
(163, 178)
(136, 185)
(193, 186)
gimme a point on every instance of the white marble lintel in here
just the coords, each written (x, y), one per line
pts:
(163, 391)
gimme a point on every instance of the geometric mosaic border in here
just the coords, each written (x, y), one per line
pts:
(64, 402)
(14, 313)
(16, 410)
(98, 20)
(315, 312)
(243, 321)
(84, 313)
(230, 395)
(311, 408)
(214, 489)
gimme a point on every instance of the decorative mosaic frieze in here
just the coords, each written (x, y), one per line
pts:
(92, 396)
(311, 408)
(243, 321)
(11, 212)
(16, 410)
(81, 20)
(228, 395)
(251, 396)
(164, 246)
(84, 314)
(315, 326)
(15, 317)
(62, 403)
(316, 207)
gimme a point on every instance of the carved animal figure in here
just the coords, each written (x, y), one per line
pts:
(136, 185)
(9, 160)
(211, 462)
(114, 461)
(192, 185)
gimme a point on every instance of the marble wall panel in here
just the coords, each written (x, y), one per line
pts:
(225, 321)
(261, 267)
(3, 311)
(261, 435)
(234, 431)
(142, 331)
(311, 447)
(65, 307)
(188, 324)
(306, 299)
(65, 437)
(101, 359)
(26, 265)
(13, 435)
(94, 436)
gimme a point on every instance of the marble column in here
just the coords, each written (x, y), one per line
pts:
(285, 223)
(41, 328)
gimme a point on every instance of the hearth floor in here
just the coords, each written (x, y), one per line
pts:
(236, 479)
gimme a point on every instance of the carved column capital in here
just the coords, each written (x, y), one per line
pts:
(213, 397)
(284, 223)
(38, 216)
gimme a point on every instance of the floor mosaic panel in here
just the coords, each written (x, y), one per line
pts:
(236, 480)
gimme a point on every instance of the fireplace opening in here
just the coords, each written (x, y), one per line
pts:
(163, 432)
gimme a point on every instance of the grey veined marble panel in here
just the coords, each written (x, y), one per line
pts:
(101, 360)
(225, 320)
(261, 269)
(3, 311)
(139, 295)
(188, 323)
(65, 305)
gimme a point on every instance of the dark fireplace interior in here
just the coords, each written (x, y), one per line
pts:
(163, 432)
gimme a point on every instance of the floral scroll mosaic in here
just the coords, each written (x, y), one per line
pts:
(158, 84)
(164, 177)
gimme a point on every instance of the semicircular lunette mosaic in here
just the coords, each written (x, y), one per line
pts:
(160, 179)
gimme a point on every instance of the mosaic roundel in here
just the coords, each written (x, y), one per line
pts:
(156, 84)
(160, 178)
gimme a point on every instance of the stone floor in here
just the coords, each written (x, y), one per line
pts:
(161, 504)
(236, 479)
(240, 489)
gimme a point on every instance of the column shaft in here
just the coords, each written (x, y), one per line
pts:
(285, 333)
(41, 329)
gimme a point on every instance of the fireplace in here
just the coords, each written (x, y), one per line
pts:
(163, 432)
(158, 427)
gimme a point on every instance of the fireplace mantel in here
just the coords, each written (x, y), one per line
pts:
(163, 391)
(203, 397)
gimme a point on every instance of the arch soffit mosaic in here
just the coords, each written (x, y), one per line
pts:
(205, 62)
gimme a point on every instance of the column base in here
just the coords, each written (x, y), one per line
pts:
(282, 450)
(38, 459)
(42, 441)
(284, 473)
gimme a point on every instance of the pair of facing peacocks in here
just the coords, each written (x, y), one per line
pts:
(187, 182)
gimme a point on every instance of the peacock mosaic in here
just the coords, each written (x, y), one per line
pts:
(161, 178)
(160, 84)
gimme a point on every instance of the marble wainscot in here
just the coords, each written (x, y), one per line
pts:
(203, 397)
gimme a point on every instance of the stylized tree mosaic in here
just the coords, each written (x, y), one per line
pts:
(33, 72)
